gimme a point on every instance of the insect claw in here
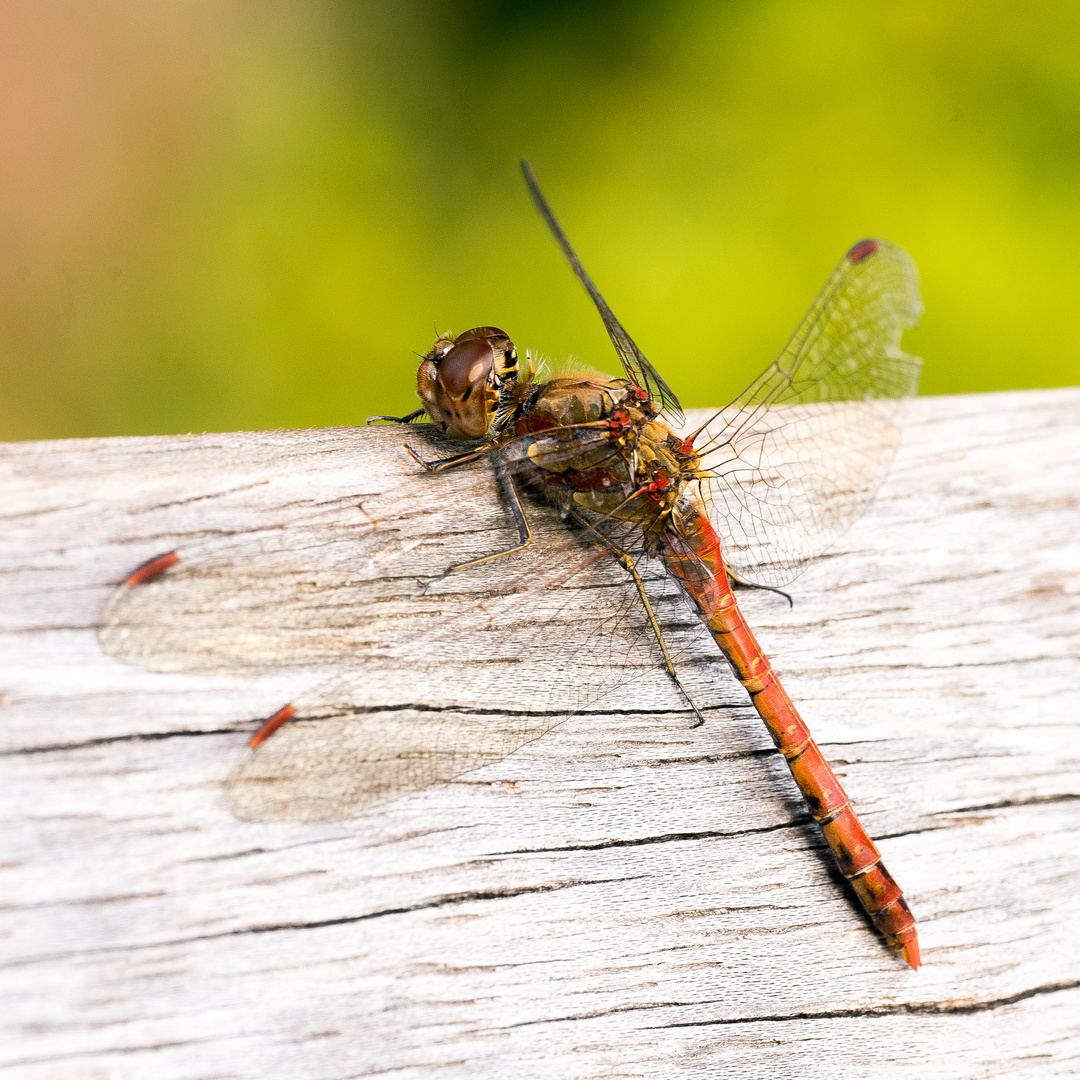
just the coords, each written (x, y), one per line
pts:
(426, 583)
(408, 419)
(417, 458)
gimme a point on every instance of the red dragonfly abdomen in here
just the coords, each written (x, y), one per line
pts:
(691, 552)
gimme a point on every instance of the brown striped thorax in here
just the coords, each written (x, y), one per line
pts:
(591, 443)
(624, 462)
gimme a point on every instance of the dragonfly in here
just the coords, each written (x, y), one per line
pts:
(674, 521)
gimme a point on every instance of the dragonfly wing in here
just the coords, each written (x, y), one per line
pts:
(799, 454)
(341, 755)
(259, 602)
(404, 678)
(638, 369)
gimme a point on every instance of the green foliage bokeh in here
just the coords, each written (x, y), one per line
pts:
(271, 206)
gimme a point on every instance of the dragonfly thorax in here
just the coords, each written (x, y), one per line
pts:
(596, 446)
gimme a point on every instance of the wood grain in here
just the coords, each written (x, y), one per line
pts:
(623, 896)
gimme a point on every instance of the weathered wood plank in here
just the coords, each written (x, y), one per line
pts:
(621, 897)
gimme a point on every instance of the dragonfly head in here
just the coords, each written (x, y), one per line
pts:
(460, 379)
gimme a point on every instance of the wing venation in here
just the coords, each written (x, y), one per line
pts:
(797, 456)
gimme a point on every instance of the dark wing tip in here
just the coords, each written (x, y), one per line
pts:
(282, 716)
(152, 568)
(862, 251)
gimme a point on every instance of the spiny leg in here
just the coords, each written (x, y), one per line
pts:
(627, 564)
(451, 462)
(506, 484)
(397, 419)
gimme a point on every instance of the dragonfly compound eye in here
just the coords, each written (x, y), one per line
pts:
(457, 385)
(483, 333)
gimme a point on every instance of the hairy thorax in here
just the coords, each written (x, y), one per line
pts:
(596, 446)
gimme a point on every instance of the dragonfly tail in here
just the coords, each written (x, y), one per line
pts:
(692, 554)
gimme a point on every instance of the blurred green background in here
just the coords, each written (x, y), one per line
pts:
(220, 214)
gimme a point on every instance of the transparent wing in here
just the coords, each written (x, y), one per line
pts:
(638, 370)
(799, 454)
(401, 684)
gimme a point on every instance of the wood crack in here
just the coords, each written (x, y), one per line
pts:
(666, 838)
(450, 900)
(913, 1008)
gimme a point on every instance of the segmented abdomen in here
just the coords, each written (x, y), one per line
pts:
(692, 554)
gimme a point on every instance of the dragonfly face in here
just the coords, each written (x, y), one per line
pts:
(460, 379)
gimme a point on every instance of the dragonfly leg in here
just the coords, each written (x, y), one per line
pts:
(628, 565)
(736, 580)
(397, 419)
(506, 484)
(451, 462)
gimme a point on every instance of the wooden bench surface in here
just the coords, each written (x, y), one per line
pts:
(623, 896)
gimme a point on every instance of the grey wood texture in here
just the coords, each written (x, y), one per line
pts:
(623, 896)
